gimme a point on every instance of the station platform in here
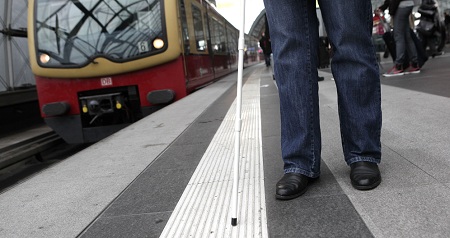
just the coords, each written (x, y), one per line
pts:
(170, 174)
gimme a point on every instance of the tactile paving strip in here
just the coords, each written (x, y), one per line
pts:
(204, 209)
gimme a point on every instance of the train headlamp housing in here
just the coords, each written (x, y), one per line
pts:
(158, 43)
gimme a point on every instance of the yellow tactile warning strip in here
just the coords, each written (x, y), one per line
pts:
(204, 209)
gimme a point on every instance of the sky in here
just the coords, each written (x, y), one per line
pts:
(230, 9)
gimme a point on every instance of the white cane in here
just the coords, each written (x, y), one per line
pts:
(237, 128)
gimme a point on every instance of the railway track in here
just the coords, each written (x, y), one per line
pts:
(31, 147)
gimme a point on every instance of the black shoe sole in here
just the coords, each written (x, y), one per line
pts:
(280, 197)
(368, 187)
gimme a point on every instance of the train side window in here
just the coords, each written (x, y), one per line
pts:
(198, 29)
(232, 37)
(218, 37)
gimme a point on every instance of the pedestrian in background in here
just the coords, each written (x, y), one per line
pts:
(447, 25)
(380, 26)
(400, 11)
(429, 25)
(294, 35)
(266, 47)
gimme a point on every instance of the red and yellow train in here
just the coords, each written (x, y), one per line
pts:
(102, 65)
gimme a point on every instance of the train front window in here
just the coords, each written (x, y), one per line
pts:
(75, 32)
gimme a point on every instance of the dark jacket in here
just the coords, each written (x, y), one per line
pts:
(265, 45)
(392, 4)
(429, 12)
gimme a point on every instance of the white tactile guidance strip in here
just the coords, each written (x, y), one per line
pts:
(204, 209)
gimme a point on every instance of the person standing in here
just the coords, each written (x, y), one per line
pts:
(266, 47)
(405, 49)
(447, 26)
(293, 28)
(428, 26)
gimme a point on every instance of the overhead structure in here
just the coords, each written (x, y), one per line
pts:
(259, 25)
(15, 72)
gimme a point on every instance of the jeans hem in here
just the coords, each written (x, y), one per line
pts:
(301, 171)
(361, 159)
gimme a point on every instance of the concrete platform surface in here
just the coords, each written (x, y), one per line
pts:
(139, 182)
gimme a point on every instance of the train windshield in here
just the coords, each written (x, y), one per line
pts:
(72, 33)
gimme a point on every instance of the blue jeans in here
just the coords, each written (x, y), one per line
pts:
(402, 36)
(293, 27)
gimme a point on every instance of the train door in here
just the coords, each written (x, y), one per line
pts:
(232, 38)
(199, 67)
(218, 44)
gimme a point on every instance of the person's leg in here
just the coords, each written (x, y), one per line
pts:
(400, 24)
(424, 40)
(410, 45)
(386, 52)
(448, 33)
(357, 79)
(405, 43)
(356, 75)
(431, 41)
(294, 34)
(267, 58)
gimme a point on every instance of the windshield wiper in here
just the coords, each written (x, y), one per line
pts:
(57, 33)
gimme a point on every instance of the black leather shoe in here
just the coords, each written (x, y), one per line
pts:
(291, 185)
(365, 175)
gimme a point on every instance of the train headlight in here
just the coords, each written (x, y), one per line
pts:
(158, 43)
(45, 58)
(94, 106)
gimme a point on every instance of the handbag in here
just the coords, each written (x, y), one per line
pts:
(426, 27)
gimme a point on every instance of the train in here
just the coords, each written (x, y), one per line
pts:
(102, 65)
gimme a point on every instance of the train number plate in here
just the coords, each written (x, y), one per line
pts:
(143, 47)
(106, 81)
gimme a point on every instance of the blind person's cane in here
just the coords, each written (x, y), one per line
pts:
(237, 128)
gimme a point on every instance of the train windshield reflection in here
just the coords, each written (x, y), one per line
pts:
(75, 32)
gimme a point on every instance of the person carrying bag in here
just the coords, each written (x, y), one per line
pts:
(429, 18)
(429, 25)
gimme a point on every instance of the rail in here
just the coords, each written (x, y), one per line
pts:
(31, 147)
